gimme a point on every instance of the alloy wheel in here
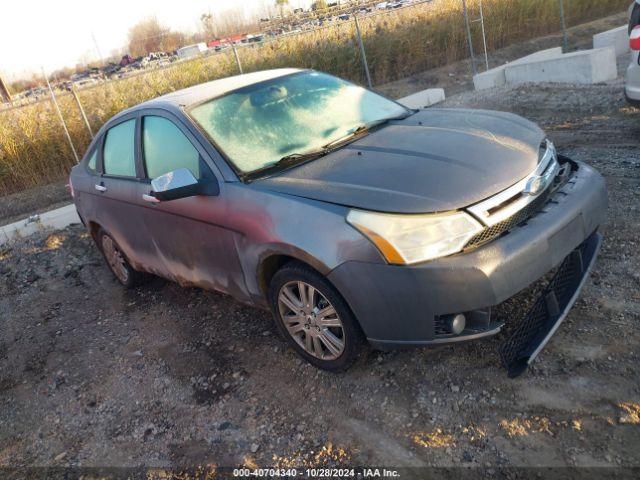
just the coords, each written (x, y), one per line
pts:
(311, 320)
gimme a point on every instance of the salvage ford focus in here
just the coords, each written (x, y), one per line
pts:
(353, 218)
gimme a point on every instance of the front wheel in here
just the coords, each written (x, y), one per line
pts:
(314, 318)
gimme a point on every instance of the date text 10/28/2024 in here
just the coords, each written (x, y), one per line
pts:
(316, 472)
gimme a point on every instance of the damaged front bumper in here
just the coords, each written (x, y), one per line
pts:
(407, 306)
(531, 334)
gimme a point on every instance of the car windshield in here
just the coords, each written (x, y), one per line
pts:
(258, 125)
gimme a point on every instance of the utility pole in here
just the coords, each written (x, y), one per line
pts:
(565, 40)
(5, 95)
(64, 124)
(484, 37)
(95, 42)
(365, 64)
(235, 54)
(84, 115)
(469, 37)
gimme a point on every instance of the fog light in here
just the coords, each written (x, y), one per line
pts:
(456, 323)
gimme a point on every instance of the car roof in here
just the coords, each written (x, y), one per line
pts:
(215, 88)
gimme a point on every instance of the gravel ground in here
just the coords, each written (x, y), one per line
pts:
(92, 375)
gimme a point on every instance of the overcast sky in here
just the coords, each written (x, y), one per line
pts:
(57, 33)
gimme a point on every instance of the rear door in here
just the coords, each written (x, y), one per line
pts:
(189, 234)
(116, 187)
(83, 179)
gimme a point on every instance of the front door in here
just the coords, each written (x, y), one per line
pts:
(189, 234)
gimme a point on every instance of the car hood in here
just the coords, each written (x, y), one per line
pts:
(435, 160)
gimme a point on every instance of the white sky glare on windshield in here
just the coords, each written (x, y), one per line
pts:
(55, 34)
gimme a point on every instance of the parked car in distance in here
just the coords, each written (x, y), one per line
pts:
(632, 82)
(353, 218)
(126, 60)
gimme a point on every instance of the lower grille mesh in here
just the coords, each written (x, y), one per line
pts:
(549, 308)
(440, 327)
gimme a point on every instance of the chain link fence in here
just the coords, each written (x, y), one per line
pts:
(41, 138)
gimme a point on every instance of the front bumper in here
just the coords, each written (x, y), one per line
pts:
(537, 327)
(399, 306)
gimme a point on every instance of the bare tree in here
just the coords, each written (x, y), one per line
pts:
(319, 5)
(267, 9)
(28, 80)
(207, 25)
(149, 35)
(85, 59)
(173, 41)
(281, 4)
(5, 94)
(234, 21)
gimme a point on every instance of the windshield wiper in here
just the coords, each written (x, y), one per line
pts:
(359, 131)
(293, 158)
(390, 119)
(284, 162)
(363, 129)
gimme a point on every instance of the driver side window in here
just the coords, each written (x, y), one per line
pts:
(166, 148)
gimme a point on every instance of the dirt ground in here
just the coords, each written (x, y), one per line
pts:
(93, 375)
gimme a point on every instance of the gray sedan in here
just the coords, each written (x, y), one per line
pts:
(354, 219)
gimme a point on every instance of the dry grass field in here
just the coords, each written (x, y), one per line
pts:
(399, 43)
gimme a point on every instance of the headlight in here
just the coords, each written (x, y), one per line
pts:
(407, 239)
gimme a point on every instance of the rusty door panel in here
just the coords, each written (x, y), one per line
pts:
(192, 245)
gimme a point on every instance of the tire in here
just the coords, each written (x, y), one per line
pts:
(116, 260)
(323, 332)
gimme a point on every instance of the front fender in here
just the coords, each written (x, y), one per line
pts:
(316, 233)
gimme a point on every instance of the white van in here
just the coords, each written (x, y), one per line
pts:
(192, 50)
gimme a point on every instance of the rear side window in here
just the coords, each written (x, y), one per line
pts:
(166, 148)
(93, 160)
(118, 155)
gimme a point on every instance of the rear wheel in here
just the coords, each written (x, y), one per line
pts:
(314, 318)
(117, 262)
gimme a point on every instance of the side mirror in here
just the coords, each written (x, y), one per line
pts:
(181, 183)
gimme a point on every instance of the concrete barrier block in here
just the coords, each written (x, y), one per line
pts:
(423, 99)
(61, 217)
(584, 67)
(490, 79)
(547, 54)
(496, 77)
(21, 229)
(618, 38)
(55, 219)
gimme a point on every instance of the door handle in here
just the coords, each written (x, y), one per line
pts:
(150, 198)
(100, 188)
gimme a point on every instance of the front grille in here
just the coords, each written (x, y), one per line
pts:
(517, 219)
(552, 168)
